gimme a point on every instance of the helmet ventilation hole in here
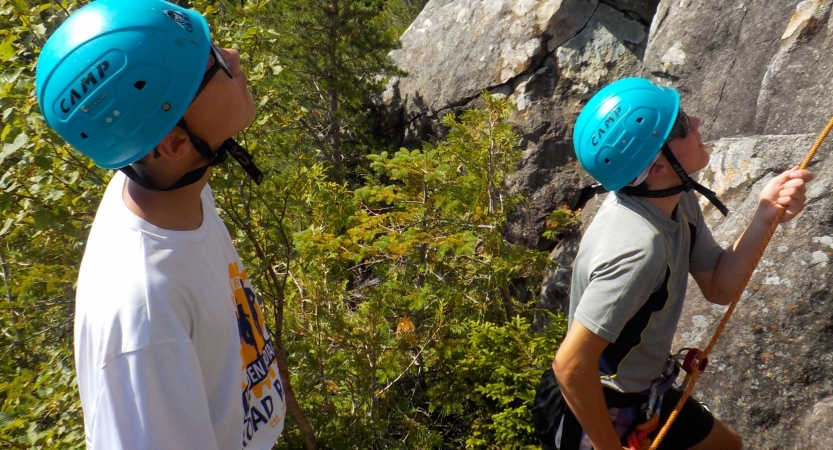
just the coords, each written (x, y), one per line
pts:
(607, 161)
(84, 135)
(639, 119)
(139, 85)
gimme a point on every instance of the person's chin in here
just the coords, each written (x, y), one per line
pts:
(251, 109)
(696, 174)
(251, 116)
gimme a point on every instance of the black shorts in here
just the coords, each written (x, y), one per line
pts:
(550, 411)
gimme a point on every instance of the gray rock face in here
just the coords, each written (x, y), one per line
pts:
(756, 72)
(474, 45)
(773, 361)
(814, 431)
(755, 77)
(547, 55)
(745, 66)
(638, 9)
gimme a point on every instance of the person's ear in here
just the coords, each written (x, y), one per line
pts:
(175, 145)
(658, 171)
(660, 167)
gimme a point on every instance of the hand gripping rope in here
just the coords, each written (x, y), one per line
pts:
(702, 357)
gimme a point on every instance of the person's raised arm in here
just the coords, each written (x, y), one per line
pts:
(576, 367)
(786, 191)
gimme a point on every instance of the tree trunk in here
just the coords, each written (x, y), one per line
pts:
(6, 275)
(292, 405)
(332, 71)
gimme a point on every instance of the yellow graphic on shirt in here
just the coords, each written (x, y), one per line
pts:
(258, 359)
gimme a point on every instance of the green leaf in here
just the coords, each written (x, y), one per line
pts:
(42, 218)
(16, 145)
(39, 29)
(7, 49)
(11, 75)
(43, 162)
(6, 226)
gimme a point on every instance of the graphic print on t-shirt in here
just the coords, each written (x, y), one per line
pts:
(263, 395)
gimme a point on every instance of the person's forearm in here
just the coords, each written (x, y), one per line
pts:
(783, 197)
(736, 261)
(583, 393)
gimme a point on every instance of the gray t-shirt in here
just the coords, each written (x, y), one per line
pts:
(629, 282)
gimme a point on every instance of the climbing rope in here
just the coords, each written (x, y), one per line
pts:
(691, 377)
(638, 439)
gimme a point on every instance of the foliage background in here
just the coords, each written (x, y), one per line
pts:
(403, 314)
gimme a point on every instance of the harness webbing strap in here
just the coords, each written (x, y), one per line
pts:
(630, 405)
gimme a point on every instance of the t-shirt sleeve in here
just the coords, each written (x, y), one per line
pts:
(153, 398)
(619, 285)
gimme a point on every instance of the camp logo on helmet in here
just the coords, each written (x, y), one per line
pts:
(183, 20)
(86, 81)
(611, 118)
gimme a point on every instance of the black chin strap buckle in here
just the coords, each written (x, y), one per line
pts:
(243, 157)
(229, 147)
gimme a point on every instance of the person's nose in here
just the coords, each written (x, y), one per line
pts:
(695, 122)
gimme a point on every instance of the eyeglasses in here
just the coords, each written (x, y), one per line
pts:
(682, 127)
(219, 63)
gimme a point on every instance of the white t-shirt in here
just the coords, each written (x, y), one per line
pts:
(170, 345)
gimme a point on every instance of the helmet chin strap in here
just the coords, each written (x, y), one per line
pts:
(229, 147)
(688, 184)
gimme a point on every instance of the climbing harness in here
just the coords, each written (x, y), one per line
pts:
(637, 436)
(701, 358)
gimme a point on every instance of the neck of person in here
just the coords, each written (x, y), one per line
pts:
(660, 177)
(666, 204)
(177, 210)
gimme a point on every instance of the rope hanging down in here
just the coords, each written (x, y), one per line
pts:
(692, 376)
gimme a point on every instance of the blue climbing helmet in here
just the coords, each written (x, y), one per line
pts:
(118, 75)
(622, 129)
